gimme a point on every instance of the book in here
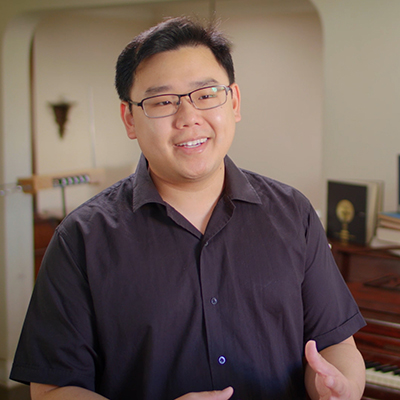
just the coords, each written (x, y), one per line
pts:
(392, 217)
(385, 245)
(388, 234)
(389, 224)
(353, 208)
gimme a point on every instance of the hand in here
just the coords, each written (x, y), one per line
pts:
(214, 395)
(330, 383)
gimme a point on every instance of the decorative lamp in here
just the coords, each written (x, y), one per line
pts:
(61, 115)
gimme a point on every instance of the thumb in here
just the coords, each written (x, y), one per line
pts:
(221, 394)
(213, 395)
(313, 358)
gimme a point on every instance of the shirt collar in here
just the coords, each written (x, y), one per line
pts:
(237, 186)
(144, 190)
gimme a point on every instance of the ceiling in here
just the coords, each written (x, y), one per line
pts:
(155, 10)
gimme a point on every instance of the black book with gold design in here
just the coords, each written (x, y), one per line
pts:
(353, 208)
(347, 212)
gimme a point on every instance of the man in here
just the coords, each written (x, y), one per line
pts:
(191, 279)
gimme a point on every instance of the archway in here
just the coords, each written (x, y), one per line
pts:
(16, 251)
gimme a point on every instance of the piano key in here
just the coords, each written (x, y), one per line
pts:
(388, 379)
(371, 364)
(386, 368)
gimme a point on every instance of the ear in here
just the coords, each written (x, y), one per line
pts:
(127, 119)
(236, 101)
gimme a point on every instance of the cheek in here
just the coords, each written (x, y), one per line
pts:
(224, 123)
(153, 133)
(217, 118)
(148, 127)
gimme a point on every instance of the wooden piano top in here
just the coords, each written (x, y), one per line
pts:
(373, 278)
(377, 303)
(380, 338)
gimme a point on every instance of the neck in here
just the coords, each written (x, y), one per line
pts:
(194, 200)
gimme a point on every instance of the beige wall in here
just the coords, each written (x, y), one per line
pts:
(361, 137)
(360, 120)
(278, 59)
(74, 60)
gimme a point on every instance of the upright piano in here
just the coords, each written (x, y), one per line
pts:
(373, 277)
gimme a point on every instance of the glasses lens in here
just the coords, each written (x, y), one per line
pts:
(209, 97)
(161, 106)
(168, 104)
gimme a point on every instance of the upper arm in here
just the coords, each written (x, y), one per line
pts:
(38, 390)
(41, 391)
(350, 340)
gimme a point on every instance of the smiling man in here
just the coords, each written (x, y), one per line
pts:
(192, 278)
(185, 150)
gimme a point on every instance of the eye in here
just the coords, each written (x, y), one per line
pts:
(208, 96)
(160, 101)
(209, 93)
(163, 103)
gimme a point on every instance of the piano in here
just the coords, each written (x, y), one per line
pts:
(373, 277)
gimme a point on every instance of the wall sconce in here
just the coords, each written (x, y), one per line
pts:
(61, 115)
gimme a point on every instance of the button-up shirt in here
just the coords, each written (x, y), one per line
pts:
(133, 302)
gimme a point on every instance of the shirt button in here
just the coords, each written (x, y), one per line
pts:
(214, 301)
(205, 244)
(222, 360)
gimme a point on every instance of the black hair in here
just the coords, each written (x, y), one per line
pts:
(168, 35)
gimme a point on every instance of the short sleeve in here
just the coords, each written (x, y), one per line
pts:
(330, 313)
(57, 344)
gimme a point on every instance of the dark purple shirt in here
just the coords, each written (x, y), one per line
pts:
(133, 302)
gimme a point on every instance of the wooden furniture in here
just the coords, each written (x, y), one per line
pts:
(35, 183)
(43, 229)
(373, 277)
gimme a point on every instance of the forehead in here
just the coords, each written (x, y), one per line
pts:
(181, 69)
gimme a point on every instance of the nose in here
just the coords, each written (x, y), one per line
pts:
(187, 114)
(184, 97)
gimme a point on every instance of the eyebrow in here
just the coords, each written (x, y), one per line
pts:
(167, 89)
(151, 91)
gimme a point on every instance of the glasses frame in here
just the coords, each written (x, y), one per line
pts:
(140, 104)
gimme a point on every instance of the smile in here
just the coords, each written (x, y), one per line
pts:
(193, 143)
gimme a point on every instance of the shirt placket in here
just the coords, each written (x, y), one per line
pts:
(212, 300)
(211, 274)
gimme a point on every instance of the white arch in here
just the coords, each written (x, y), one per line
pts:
(16, 266)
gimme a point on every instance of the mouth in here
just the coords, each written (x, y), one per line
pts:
(192, 143)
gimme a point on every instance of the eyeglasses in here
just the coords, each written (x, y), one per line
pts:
(165, 105)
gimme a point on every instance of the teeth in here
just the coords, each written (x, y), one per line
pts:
(193, 143)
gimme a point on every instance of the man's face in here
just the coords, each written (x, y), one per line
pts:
(191, 144)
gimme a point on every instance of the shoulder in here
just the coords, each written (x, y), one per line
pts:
(275, 193)
(108, 205)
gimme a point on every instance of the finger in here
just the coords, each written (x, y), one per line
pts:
(328, 377)
(322, 389)
(213, 395)
(221, 394)
(316, 361)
